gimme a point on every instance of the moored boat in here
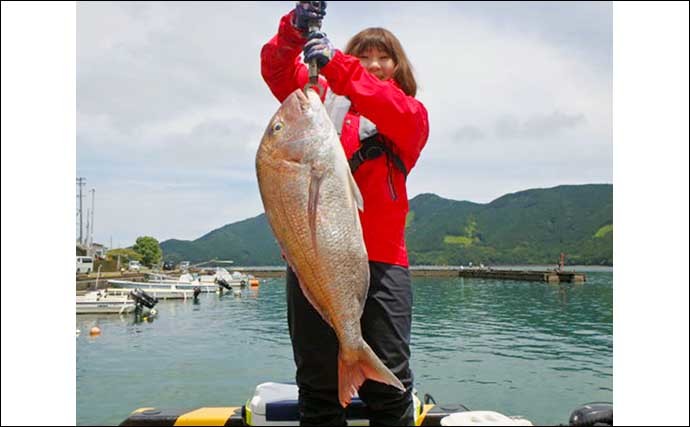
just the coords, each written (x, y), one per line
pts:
(276, 404)
(101, 302)
(160, 293)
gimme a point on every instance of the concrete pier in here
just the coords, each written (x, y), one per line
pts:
(553, 276)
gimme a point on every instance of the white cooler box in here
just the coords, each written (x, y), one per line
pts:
(275, 404)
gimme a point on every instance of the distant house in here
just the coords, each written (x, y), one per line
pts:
(98, 250)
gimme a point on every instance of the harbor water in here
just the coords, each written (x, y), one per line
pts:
(520, 348)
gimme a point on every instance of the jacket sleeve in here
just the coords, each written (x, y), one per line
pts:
(281, 66)
(400, 117)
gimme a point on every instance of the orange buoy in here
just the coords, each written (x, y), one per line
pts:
(95, 331)
(253, 282)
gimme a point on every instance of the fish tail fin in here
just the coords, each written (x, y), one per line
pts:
(367, 365)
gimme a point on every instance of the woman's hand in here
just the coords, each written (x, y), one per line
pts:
(318, 47)
(306, 11)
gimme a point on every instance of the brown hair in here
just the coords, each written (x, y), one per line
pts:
(385, 41)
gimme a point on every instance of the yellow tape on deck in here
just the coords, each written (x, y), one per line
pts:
(206, 417)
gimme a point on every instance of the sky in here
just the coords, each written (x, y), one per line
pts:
(171, 106)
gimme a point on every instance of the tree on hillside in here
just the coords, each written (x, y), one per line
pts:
(149, 250)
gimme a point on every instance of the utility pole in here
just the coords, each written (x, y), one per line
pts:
(93, 206)
(81, 182)
(88, 230)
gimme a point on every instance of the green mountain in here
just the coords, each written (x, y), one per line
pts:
(247, 242)
(528, 227)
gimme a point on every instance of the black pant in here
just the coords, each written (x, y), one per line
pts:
(386, 325)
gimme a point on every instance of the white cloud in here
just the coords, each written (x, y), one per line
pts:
(469, 133)
(165, 209)
(537, 126)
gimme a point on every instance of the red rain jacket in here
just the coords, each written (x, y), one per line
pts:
(400, 118)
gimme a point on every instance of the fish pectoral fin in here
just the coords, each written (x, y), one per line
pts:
(356, 194)
(313, 203)
(367, 366)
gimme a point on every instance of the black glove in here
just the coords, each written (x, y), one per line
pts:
(306, 11)
(318, 47)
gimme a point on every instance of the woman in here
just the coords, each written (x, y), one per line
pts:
(369, 94)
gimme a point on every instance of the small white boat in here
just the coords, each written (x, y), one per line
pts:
(100, 302)
(235, 281)
(185, 282)
(159, 293)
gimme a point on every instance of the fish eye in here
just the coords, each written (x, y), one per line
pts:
(278, 126)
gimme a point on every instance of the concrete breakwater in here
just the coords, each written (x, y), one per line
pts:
(549, 276)
(553, 276)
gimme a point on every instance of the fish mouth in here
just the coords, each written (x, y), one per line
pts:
(302, 99)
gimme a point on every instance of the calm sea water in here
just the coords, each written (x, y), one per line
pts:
(519, 348)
